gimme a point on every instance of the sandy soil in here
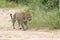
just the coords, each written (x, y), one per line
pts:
(8, 33)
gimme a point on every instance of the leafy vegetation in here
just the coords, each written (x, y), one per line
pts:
(46, 13)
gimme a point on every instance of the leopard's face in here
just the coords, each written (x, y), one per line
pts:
(29, 17)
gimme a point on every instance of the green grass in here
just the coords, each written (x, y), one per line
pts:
(5, 4)
(42, 19)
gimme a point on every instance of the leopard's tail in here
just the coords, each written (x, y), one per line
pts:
(11, 15)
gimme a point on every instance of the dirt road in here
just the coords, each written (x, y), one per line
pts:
(29, 35)
(8, 33)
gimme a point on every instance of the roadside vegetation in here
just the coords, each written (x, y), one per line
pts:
(46, 13)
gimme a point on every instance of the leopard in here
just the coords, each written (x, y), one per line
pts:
(21, 18)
